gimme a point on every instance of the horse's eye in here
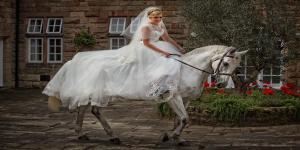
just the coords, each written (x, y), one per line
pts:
(226, 64)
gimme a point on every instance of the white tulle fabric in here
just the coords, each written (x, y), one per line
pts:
(132, 72)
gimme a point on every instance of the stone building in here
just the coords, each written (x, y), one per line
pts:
(43, 41)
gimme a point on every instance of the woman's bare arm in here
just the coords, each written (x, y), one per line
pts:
(167, 38)
(146, 32)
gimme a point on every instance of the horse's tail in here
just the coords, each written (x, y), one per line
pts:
(54, 103)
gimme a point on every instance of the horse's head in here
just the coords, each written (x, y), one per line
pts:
(225, 63)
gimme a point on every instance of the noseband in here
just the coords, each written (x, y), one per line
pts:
(217, 72)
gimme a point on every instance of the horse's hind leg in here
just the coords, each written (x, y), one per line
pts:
(186, 104)
(97, 113)
(178, 107)
(79, 122)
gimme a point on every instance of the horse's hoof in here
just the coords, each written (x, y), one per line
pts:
(165, 137)
(184, 143)
(116, 141)
(83, 138)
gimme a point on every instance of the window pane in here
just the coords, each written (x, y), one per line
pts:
(39, 42)
(267, 71)
(37, 29)
(32, 42)
(276, 71)
(115, 42)
(58, 41)
(51, 42)
(51, 49)
(31, 28)
(58, 57)
(38, 22)
(51, 22)
(121, 21)
(114, 21)
(113, 28)
(276, 79)
(39, 49)
(58, 49)
(121, 42)
(39, 57)
(32, 57)
(50, 29)
(58, 22)
(32, 22)
(51, 57)
(57, 28)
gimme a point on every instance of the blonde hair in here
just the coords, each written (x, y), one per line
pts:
(154, 11)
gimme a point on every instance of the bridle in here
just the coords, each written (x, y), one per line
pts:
(217, 72)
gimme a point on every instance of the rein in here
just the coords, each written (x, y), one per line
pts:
(217, 70)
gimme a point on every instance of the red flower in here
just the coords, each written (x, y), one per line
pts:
(206, 84)
(249, 92)
(213, 84)
(290, 85)
(268, 91)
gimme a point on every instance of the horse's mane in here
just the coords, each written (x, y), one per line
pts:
(218, 49)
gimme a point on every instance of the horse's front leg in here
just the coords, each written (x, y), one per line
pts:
(178, 107)
(99, 115)
(79, 122)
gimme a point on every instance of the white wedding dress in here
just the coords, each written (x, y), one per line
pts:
(132, 72)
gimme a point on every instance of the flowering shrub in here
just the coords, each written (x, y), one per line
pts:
(290, 89)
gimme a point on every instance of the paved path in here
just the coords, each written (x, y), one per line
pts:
(26, 123)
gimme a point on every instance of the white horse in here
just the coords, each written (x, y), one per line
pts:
(196, 66)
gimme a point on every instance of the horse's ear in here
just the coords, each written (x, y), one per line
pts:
(242, 52)
(232, 50)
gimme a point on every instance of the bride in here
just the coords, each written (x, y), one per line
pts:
(140, 70)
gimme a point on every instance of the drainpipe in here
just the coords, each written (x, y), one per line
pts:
(17, 44)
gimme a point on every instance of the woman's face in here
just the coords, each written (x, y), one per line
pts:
(155, 18)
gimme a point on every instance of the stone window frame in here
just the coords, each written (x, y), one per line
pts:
(111, 31)
(118, 41)
(35, 25)
(29, 50)
(55, 51)
(54, 25)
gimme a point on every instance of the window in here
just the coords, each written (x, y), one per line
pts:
(52, 36)
(272, 74)
(54, 25)
(134, 25)
(244, 69)
(117, 25)
(55, 54)
(35, 49)
(117, 42)
(35, 25)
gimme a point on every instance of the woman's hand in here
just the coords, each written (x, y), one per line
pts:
(182, 50)
(167, 55)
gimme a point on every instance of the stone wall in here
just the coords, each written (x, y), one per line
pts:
(87, 14)
(7, 34)
(293, 69)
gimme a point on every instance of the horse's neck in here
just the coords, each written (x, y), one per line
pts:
(201, 60)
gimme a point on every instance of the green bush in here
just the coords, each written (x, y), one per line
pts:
(229, 109)
(84, 38)
(232, 106)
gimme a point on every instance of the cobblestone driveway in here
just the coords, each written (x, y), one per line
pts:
(26, 123)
